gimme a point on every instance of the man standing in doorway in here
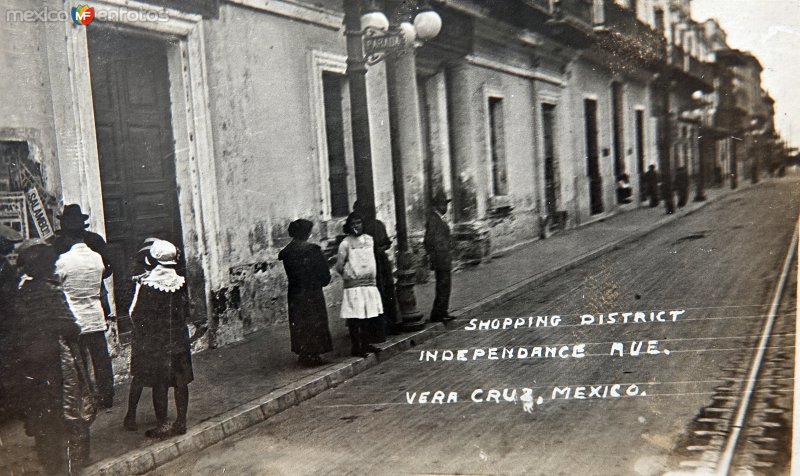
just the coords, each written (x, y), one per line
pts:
(437, 245)
(82, 268)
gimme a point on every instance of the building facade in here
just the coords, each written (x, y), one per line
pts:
(216, 123)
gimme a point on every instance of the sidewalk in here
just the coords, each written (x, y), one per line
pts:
(242, 384)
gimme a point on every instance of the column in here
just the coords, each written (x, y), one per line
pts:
(469, 182)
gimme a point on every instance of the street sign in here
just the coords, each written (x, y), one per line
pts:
(381, 43)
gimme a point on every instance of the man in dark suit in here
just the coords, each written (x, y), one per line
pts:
(651, 185)
(437, 245)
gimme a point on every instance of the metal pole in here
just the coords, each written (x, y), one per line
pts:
(359, 109)
(662, 89)
(703, 148)
(402, 99)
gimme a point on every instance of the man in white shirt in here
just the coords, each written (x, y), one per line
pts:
(81, 272)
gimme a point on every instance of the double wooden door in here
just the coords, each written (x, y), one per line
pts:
(130, 91)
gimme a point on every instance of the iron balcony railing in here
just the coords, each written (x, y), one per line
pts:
(627, 32)
(690, 65)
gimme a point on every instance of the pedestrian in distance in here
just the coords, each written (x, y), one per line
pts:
(161, 346)
(651, 185)
(49, 373)
(437, 245)
(361, 300)
(682, 185)
(81, 273)
(307, 272)
(624, 189)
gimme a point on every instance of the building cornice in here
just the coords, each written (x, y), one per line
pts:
(514, 70)
(294, 10)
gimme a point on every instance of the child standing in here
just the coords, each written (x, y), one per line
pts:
(160, 350)
(361, 301)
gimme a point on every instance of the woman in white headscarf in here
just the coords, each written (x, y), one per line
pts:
(160, 348)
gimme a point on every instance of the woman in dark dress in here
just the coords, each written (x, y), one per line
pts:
(160, 348)
(307, 272)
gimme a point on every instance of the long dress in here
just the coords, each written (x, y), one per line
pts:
(384, 274)
(307, 272)
(160, 347)
(356, 263)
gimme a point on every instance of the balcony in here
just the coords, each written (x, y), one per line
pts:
(543, 5)
(690, 71)
(571, 22)
(624, 36)
(579, 10)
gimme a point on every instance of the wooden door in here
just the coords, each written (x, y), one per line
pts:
(593, 158)
(640, 152)
(550, 179)
(130, 91)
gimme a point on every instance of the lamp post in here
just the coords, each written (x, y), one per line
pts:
(370, 39)
(756, 134)
(703, 104)
(662, 89)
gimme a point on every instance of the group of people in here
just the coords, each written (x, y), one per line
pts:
(368, 300)
(54, 356)
(654, 189)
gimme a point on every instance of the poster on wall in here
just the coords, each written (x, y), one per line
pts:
(39, 214)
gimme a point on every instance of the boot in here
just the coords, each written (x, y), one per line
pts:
(162, 430)
(355, 338)
(367, 326)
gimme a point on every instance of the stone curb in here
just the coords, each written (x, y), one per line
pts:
(217, 428)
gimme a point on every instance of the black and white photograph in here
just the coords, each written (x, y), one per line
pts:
(399, 237)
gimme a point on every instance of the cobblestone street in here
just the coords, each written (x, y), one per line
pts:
(550, 413)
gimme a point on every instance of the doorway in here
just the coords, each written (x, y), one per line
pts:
(131, 100)
(592, 157)
(640, 151)
(550, 181)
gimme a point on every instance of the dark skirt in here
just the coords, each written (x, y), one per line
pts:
(308, 322)
(170, 368)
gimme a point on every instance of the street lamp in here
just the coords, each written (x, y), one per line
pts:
(371, 38)
(703, 108)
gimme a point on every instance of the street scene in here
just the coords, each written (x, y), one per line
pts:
(398, 237)
(584, 408)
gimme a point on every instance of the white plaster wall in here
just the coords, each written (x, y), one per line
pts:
(588, 80)
(25, 92)
(266, 144)
(520, 153)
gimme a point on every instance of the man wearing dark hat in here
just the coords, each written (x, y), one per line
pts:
(73, 222)
(82, 266)
(437, 245)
